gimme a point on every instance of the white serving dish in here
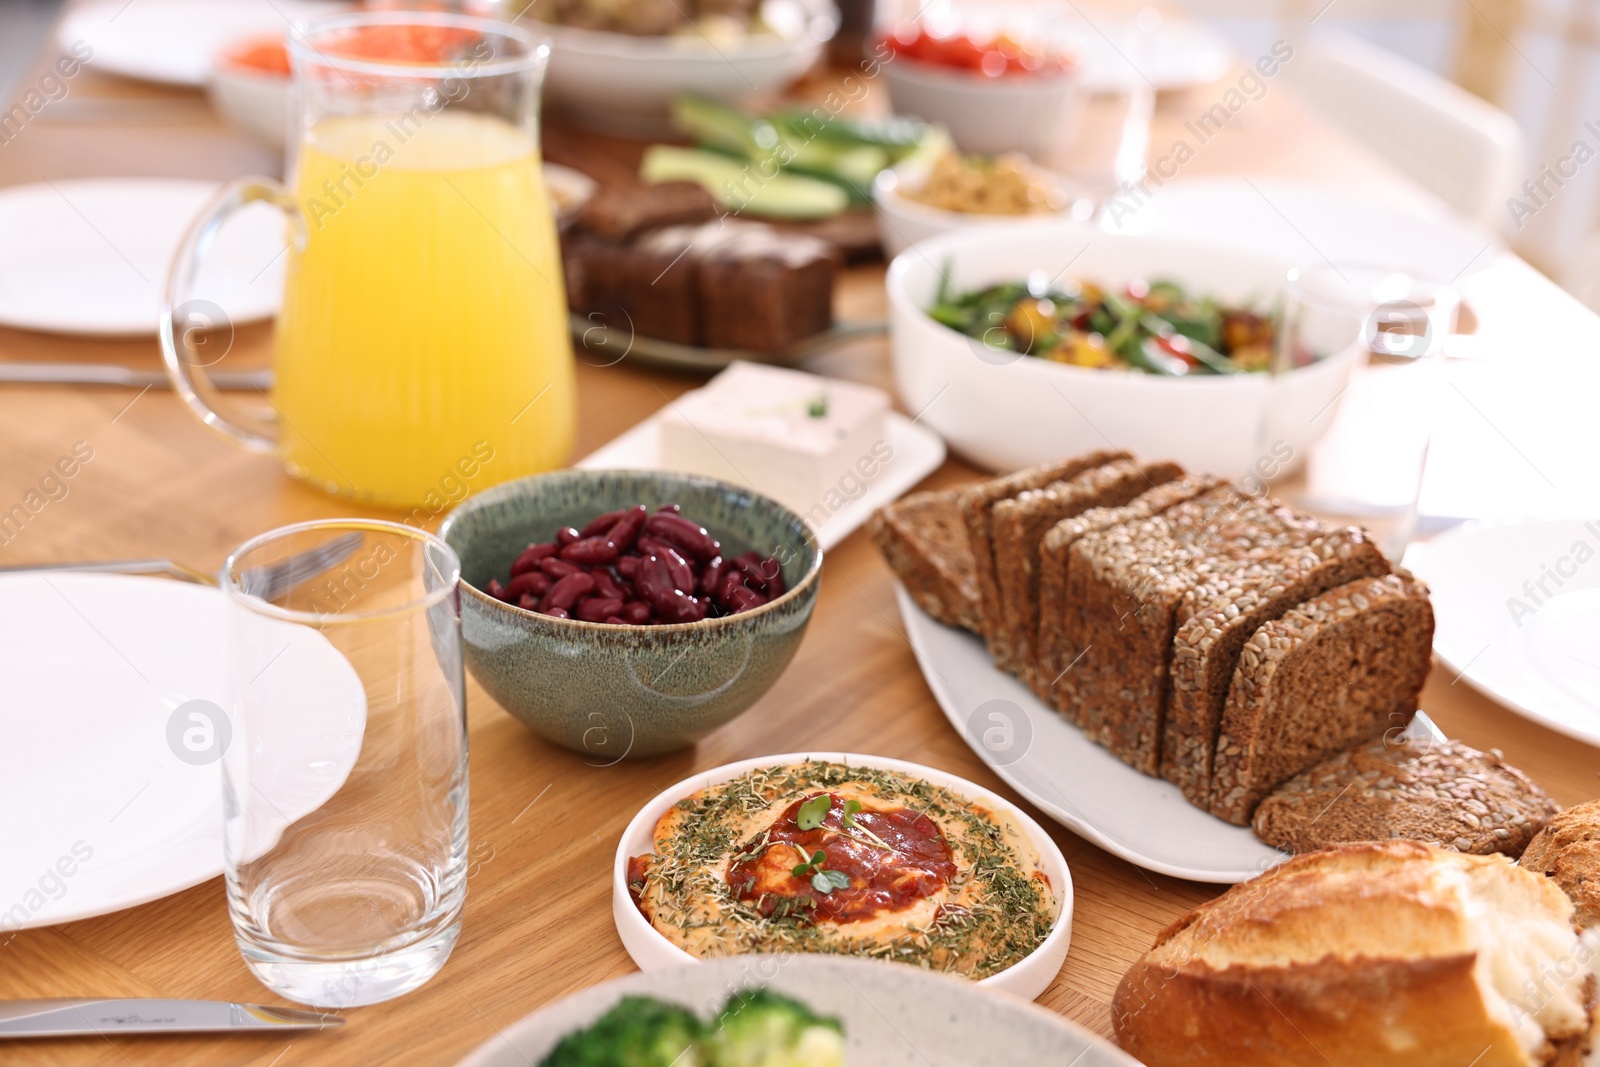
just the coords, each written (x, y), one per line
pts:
(902, 222)
(255, 101)
(651, 951)
(892, 1016)
(1005, 411)
(1028, 113)
(625, 84)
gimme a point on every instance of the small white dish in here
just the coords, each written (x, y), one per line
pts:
(1027, 978)
(172, 41)
(90, 256)
(916, 454)
(1006, 411)
(109, 795)
(1029, 113)
(1079, 784)
(902, 222)
(1517, 616)
(892, 1016)
(624, 84)
(253, 100)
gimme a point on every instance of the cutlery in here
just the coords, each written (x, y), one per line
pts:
(267, 582)
(113, 374)
(90, 1016)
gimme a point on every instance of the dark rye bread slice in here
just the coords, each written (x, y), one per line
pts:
(977, 504)
(1125, 589)
(1019, 524)
(1339, 669)
(1214, 622)
(1053, 654)
(924, 540)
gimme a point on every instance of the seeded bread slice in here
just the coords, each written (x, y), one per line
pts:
(1339, 669)
(1054, 654)
(924, 540)
(1125, 589)
(1018, 525)
(1214, 622)
(977, 505)
(1441, 793)
(1568, 850)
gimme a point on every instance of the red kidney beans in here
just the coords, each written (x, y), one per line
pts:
(632, 568)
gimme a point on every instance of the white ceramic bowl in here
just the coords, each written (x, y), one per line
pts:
(651, 951)
(625, 84)
(892, 1016)
(254, 101)
(1005, 411)
(1029, 113)
(903, 222)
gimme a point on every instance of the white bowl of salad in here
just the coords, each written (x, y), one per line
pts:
(1024, 345)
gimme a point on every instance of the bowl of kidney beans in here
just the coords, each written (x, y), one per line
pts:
(632, 568)
(630, 612)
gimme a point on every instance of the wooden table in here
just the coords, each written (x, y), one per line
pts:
(544, 821)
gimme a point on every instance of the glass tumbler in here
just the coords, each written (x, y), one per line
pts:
(345, 775)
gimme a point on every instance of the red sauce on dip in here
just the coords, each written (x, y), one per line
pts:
(917, 863)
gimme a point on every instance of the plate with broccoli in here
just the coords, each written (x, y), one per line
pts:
(793, 1011)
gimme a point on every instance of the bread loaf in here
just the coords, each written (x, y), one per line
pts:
(1392, 954)
(1568, 850)
(924, 540)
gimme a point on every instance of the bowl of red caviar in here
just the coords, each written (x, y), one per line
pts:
(994, 92)
(250, 87)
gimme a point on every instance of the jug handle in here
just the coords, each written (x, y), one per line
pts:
(187, 374)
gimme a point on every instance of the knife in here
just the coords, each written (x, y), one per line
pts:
(86, 1016)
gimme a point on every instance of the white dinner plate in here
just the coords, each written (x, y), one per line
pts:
(893, 1016)
(1147, 821)
(1535, 649)
(99, 811)
(172, 41)
(917, 454)
(91, 256)
(1308, 222)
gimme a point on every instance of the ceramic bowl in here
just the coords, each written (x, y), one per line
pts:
(892, 1016)
(613, 690)
(1034, 113)
(902, 222)
(1006, 411)
(253, 100)
(1026, 978)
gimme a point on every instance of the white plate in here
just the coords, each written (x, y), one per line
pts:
(91, 256)
(892, 1016)
(94, 668)
(1078, 783)
(1538, 654)
(172, 41)
(1305, 222)
(1027, 978)
(917, 454)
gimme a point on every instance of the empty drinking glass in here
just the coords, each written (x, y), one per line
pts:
(346, 822)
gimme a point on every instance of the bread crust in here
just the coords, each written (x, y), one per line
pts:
(1568, 851)
(924, 540)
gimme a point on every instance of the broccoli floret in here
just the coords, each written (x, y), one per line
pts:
(758, 1028)
(638, 1032)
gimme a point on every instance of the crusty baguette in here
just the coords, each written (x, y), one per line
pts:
(1392, 954)
(977, 505)
(924, 540)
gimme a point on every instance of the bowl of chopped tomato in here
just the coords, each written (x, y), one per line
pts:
(250, 87)
(994, 94)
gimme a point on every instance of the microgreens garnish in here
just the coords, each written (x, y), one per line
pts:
(850, 809)
(817, 408)
(814, 812)
(823, 881)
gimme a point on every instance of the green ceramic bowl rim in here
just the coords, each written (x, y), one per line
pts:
(497, 494)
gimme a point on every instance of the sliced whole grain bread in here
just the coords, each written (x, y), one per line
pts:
(1053, 654)
(977, 505)
(1339, 669)
(1215, 620)
(1442, 793)
(1126, 587)
(924, 539)
(1018, 525)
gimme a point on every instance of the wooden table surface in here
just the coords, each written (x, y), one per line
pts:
(544, 822)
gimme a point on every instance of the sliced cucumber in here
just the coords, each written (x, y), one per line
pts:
(745, 187)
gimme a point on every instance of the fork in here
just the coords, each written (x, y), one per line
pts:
(269, 581)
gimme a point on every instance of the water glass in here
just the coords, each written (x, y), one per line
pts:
(1399, 321)
(345, 776)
